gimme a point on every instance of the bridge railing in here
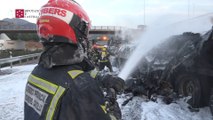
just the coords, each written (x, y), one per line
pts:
(92, 28)
(18, 59)
(106, 28)
(17, 28)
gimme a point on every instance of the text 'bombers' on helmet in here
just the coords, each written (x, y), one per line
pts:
(64, 19)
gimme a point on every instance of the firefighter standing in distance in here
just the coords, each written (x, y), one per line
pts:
(62, 85)
(95, 56)
(104, 59)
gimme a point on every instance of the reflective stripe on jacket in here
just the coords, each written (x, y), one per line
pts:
(104, 56)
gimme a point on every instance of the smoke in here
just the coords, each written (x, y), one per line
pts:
(198, 24)
(212, 20)
(154, 35)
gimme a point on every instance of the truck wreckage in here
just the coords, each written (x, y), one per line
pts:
(179, 67)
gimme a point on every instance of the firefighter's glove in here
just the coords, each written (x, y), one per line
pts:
(114, 82)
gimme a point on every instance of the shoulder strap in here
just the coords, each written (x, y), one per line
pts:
(93, 73)
(75, 73)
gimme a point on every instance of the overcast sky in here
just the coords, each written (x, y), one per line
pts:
(128, 13)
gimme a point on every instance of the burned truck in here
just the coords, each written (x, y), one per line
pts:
(183, 64)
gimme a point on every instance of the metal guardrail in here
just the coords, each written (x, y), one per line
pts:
(18, 58)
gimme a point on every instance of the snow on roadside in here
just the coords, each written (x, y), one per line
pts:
(139, 108)
(12, 88)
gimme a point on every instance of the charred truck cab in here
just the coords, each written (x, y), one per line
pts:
(183, 64)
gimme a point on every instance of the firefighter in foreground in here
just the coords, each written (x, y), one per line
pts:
(62, 85)
(104, 59)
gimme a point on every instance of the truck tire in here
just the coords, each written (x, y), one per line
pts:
(190, 85)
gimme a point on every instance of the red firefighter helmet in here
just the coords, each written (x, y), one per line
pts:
(64, 19)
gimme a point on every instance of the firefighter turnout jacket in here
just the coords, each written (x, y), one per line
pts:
(63, 93)
(104, 56)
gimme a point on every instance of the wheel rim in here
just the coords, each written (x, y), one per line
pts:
(189, 88)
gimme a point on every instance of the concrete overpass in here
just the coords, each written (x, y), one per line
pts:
(94, 30)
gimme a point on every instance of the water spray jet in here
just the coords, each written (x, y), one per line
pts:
(146, 43)
(155, 35)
